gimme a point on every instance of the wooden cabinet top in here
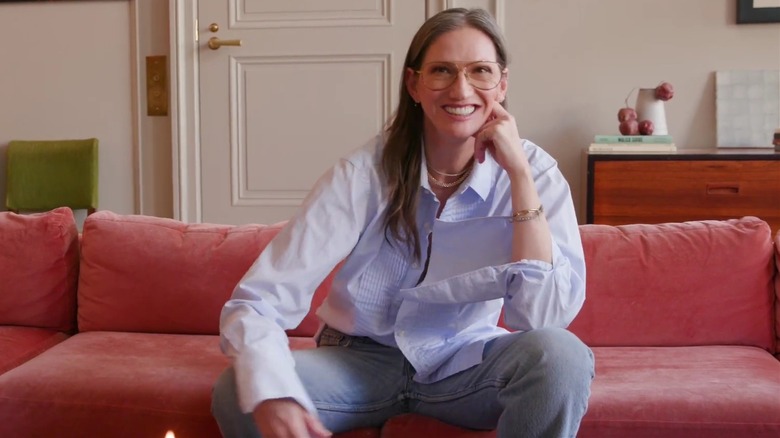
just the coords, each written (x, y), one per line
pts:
(691, 154)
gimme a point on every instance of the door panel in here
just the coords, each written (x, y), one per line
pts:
(312, 80)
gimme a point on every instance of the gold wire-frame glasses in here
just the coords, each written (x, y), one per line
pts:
(438, 75)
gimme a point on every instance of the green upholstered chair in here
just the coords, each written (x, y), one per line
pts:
(43, 175)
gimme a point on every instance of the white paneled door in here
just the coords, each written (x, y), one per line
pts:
(311, 80)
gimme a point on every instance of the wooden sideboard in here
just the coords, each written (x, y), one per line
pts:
(692, 184)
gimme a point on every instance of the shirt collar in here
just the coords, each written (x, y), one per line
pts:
(480, 180)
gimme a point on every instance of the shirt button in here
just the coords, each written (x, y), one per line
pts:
(416, 265)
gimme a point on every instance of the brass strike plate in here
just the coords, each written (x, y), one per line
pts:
(156, 86)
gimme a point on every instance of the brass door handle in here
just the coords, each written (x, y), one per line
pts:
(215, 43)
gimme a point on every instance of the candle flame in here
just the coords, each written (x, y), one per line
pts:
(170, 434)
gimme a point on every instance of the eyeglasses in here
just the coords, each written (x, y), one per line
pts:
(484, 75)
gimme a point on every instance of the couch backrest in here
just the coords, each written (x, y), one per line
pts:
(148, 274)
(692, 283)
(39, 261)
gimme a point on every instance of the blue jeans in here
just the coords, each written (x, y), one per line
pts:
(530, 384)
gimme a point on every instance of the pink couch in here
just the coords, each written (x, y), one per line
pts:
(682, 319)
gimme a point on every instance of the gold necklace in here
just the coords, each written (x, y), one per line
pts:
(468, 167)
(445, 185)
(465, 169)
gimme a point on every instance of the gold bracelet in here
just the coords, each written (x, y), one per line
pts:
(527, 215)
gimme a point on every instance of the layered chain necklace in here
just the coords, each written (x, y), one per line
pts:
(461, 176)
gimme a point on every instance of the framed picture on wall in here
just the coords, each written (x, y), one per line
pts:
(758, 11)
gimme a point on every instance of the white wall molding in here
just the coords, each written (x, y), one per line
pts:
(241, 192)
(184, 115)
(137, 98)
(329, 14)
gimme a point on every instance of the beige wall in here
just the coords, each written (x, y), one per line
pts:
(66, 73)
(572, 64)
(574, 61)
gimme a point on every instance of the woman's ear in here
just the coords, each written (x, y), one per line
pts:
(502, 87)
(410, 79)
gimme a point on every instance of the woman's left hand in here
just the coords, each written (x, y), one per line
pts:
(499, 136)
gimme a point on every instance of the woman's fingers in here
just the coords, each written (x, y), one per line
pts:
(499, 135)
(316, 429)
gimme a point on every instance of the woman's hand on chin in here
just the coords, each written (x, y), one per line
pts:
(499, 136)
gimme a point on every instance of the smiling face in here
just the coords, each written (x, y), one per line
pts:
(454, 114)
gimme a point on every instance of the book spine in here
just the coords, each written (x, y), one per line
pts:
(623, 147)
(652, 139)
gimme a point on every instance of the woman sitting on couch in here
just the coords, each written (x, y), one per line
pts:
(441, 222)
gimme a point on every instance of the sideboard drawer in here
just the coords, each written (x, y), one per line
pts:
(672, 190)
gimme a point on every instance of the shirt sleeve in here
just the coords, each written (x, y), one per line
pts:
(276, 292)
(542, 295)
(536, 294)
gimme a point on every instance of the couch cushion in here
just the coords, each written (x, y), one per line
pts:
(19, 344)
(680, 392)
(118, 385)
(114, 384)
(670, 392)
(692, 283)
(39, 263)
(149, 274)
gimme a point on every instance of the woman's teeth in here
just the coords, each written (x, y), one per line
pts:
(460, 110)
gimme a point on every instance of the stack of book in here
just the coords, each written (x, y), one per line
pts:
(632, 143)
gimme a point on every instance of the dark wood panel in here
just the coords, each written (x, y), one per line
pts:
(623, 191)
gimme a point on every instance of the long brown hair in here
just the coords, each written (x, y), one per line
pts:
(402, 154)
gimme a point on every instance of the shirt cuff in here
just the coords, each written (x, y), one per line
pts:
(484, 284)
(471, 287)
(269, 373)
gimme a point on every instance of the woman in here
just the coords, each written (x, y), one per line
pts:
(442, 222)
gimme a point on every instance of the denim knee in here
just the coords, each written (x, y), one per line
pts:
(223, 395)
(225, 409)
(548, 387)
(564, 358)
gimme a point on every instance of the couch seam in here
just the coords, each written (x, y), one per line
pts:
(100, 405)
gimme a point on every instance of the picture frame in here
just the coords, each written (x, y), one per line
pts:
(756, 11)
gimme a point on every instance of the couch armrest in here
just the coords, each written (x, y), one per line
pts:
(39, 261)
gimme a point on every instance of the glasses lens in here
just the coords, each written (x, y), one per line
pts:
(439, 75)
(484, 75)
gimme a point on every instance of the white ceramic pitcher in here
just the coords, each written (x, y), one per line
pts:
(650, 108)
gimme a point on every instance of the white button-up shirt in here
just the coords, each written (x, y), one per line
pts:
(440, 324)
